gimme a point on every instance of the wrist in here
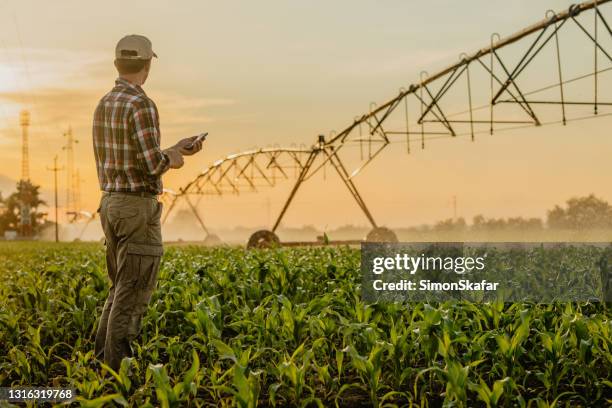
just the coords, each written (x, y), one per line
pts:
(166, 159)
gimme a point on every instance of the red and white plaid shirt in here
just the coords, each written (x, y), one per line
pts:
(126, 141)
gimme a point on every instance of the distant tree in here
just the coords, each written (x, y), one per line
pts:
(480, 223)
(28, 194)
(581, 213)
(520, 223)
(557, 218)
(450, 225)
(496, 224)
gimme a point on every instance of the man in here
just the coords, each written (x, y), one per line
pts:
(130, 164)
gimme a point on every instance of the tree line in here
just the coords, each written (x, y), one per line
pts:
(578, 213)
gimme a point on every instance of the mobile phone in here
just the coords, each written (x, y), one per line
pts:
(199, 138)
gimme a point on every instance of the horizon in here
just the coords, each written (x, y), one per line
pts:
(183, 227)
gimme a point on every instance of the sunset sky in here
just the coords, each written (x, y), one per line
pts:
(255, 74)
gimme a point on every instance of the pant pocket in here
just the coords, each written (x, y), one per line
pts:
(135, 324)
(144, 261)
(154, 234)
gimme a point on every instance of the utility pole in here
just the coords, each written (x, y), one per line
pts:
(455, 208)
(55, 170)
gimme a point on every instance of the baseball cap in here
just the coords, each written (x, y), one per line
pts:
(134, 47)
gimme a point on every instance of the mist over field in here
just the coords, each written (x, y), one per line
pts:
(184, 227)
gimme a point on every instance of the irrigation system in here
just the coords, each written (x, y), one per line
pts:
(496, 88)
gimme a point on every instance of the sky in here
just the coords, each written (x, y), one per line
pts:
(257, 74)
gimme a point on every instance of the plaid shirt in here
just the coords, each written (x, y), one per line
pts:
(126, 141)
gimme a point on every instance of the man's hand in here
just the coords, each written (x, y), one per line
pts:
(175, 156)
(189, 146)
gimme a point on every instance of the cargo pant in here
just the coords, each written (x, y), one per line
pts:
(132, 228)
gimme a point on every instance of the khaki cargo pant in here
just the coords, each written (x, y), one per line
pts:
(132, 229)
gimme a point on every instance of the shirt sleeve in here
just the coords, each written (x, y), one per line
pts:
(147, 137)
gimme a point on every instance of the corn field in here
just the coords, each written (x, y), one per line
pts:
(288, 327)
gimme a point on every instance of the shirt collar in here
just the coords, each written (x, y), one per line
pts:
(128, 84)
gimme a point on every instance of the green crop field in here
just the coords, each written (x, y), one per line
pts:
(288, 327)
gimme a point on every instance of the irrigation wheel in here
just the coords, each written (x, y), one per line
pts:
(263, 239)
(381, 234)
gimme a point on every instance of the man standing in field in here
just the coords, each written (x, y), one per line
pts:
(130, 163)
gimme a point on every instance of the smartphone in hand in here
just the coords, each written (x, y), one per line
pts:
(199, 138)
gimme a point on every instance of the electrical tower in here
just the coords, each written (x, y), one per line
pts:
(71, 181)
(24, 121)
(25, 215)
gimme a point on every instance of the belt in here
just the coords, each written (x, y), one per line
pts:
(131, 193)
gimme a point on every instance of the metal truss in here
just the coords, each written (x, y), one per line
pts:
(241, 172)
(485, 92)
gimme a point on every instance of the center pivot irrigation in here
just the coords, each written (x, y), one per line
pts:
(552, 72)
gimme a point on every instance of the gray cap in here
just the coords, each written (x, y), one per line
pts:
(134, 47)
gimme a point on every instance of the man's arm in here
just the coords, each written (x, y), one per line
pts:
(147, 135)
